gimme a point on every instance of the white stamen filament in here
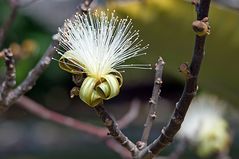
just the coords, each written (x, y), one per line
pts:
(101, 42)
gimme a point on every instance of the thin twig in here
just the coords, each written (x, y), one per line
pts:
(33, 75)
(10, 76)
(114, 130)
(153, 102)
(189, 92)
(8, 23)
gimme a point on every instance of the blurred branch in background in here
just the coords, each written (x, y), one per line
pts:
(40, 111)
(9, 21)
(100, 132)
(28, 3)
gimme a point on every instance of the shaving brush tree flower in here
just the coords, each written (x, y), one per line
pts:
(205, 126)
(94, 47)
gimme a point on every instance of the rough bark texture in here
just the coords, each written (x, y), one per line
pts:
(114, 130)
(153, 102)
(190, 89)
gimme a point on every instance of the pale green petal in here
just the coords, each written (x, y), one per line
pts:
(114, 86)
(88, 93)
(118, 76)
(93, 91)
(103, 89)
(69, 63)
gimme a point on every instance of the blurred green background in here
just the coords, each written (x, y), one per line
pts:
(164, 24)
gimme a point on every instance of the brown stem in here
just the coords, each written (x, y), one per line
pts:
(33, 75)
(10, 76)
(190, 89)
(114, 130)
(153, 102)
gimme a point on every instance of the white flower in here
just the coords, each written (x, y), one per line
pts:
(100, 42)
(97, 44)
(205, 127)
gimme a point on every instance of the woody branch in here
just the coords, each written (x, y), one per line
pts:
(191, 74)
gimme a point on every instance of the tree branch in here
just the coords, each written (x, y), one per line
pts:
(33, 75)
(10, 76)
(189, 92)
(153, 102)
(114, 130)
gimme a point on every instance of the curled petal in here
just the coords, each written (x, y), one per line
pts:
(109, 88)
(69, 63)
(88, 93)
(93, 91)
(118, 76)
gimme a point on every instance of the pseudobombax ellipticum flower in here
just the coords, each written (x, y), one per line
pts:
(205, 127)
(96, 45)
